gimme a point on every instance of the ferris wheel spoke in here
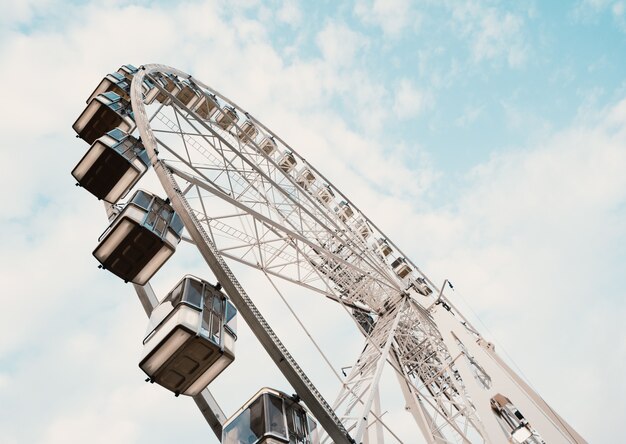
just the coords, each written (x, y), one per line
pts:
(278, 227)
(285, 208)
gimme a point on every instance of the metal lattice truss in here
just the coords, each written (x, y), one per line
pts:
(354, 402)
(269, 221)
(261, 204)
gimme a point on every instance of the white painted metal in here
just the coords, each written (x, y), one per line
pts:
(246, 201)
(361, 386)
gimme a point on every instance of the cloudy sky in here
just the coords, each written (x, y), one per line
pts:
(486, 138)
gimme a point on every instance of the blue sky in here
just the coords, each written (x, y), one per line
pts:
(486, 138)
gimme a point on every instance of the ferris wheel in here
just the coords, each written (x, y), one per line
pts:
(242, 195)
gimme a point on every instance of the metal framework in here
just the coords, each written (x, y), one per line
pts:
(246, 196)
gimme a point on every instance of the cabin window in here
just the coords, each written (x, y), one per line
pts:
(176, 295)
(275, 416)
(248, 427)
(215, 311)
(231, 317)
(176, 224)
(142, 199)
(194, 293)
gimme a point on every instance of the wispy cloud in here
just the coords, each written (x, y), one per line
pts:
(394, 17)
(410, 101)
(492, 33)
(339, 44)
(588, 11)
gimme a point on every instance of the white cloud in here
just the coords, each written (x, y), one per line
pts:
(392, 16)
(16, 12)
(588, 11)
(469, 116)
(409, 101)
(492, 33)
(339, 44)
(290, 13)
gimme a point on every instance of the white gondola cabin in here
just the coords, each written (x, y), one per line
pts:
(383, 247)
(104, 113)
(362, 228)
(188, 94)
(141, 238)
(287, 162)
(172, 84)
(271, 417)
(248, 132)
(191, 337)
(115, 82)
(161, 88)
(268, 146)
(112, 166)
(155, 91)
(421, 286)
(512, 420)
(325, 194)
(226, 118)
(400, 267)
(128, 71)
(344, 211)
(205, 107)
(305, 178)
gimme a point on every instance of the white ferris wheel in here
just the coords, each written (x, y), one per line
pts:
(240, 194)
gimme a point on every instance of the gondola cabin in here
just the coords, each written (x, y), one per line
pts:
(247, 132)
(421, 286)
(171, 84)
(287, 162)
(112, 166)
(268, 146)
(115, 82)
(512, 420)
(191, 337)
(271, 417)
(188, 94)
(141, 238)
(325, 195)
(226, 118)
(156, 91)
(128, 71)
(306, 178)
(104, 113)
(400, 267)
(383, 247)
(344, 211)
(205, 107)
(362, 228)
